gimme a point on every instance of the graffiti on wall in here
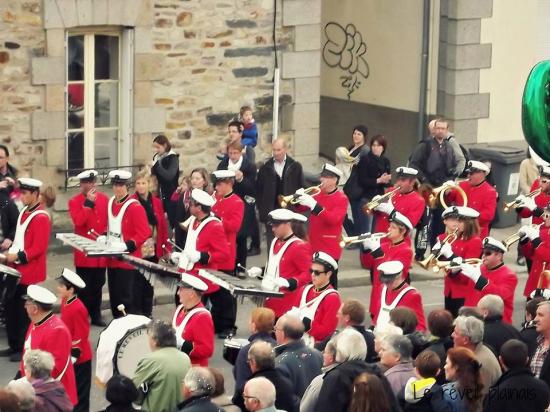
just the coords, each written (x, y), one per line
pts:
(344, 48)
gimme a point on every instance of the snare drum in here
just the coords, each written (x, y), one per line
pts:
(9, 279)
(121, 346)
(231, 348)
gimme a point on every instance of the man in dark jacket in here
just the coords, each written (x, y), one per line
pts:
(517, 389)
(261, 359)
(352, 315)
(198, 387)
(280, 175)
(496, 332)
(529, 332)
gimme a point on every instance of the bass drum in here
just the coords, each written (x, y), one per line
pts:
(122, 344)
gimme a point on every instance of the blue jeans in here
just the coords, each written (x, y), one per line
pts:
(362, 222)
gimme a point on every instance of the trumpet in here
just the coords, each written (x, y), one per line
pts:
(439, 265)
(431, 260)
(438, 195)
(510, 240)
(185, 225)
(349, 240)
(514, 203)
(544, 274)
(377, 200)
(292, 199)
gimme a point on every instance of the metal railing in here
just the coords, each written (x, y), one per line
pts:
(70, 179)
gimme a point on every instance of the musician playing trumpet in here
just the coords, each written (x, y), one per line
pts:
(464, 242)
(534, 206)
(328, 211)
(535, 245)
(393, 247)
(492, 277)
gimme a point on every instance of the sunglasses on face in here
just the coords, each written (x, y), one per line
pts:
(315, 272)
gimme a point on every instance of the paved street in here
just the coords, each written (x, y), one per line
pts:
(353, 279)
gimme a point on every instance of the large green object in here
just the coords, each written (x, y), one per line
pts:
(535, 110)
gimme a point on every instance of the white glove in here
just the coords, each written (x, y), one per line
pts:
(371, 243)
(254, 272)
(455, 265)
(281, 282)
(118, 246)
(294, 312)
(471, 272)
(446, 250)
(268, 284)
(193, 256)
(385, 207)
(175, 257)
(450, 183)
(528, 203)
(545, 293)
(307, 201)
(184, 262)
(101, 239)
(300, 192)
(529, 232)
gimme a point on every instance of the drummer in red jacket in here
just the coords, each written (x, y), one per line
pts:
(328, 211)
(88, 211)
(192, 321)
(48, 333)
(75, 316)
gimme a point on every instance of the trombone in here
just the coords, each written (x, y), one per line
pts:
(431, 260)
(447, 264)
(349, 240)
(438, 195)
(510, 240)
(377, 200)
(514, 203)
(292, 199)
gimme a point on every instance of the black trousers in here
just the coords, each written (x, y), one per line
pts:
(437, 225)
(224, 310)
(241, 250)
(17, 320)
(83, 377)
(269, 236)
(453, 305)
(143, 296)
(91, 295)
(121, 288)
(255, 233)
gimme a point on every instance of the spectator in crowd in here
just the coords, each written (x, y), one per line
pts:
(395, 355)
(529, 332)
(540, 362)
(260, 395)
(309, 399)
(198, 179)
(465, 389)
(470, 311)
(121, 393)
(158, 375)
(235, 129)
(468, 333)
(336, 390)
(8, 219)
(261, 359)
(422, 393)
(250, 130)
(166, 168)
(198, 388)
(49, 393)
(295, 360)
(368, 395)
(9, 401)
(8, 173)
(517, 389)
(406, 319)
(380, 333)
(280, 175)
(440, 325)
(219, 397)
(496, 332)
(24, 391)
(261, 325)
(352, 314)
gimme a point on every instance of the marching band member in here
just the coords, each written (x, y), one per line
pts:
(406, 201)
(88, 211)
(481, 195)
(288, 262)
(75, 316)
(535, 244)
(154, 247)
(48, 333)
(192, 321)
(396, 292)
(393, 247)
(534, 206)
(127, 231)
(466, 244)
(27, 254)
(206, 247)
(230, 209)
(319, 302)
(328, 211)
(492, 277)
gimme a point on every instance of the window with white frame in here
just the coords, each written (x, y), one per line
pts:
(98, 106)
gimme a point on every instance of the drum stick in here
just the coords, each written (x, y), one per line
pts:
(122, 309)
(242, 267)
(174, 244)
(93, 233)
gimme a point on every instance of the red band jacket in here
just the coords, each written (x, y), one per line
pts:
(230, 209)
(325, 320)
(412, 300)
(412, 205)
(457, 286)
(199, 332)
(75, 315)
(539, 251)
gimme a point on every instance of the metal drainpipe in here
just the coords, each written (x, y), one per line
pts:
(424, 69)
